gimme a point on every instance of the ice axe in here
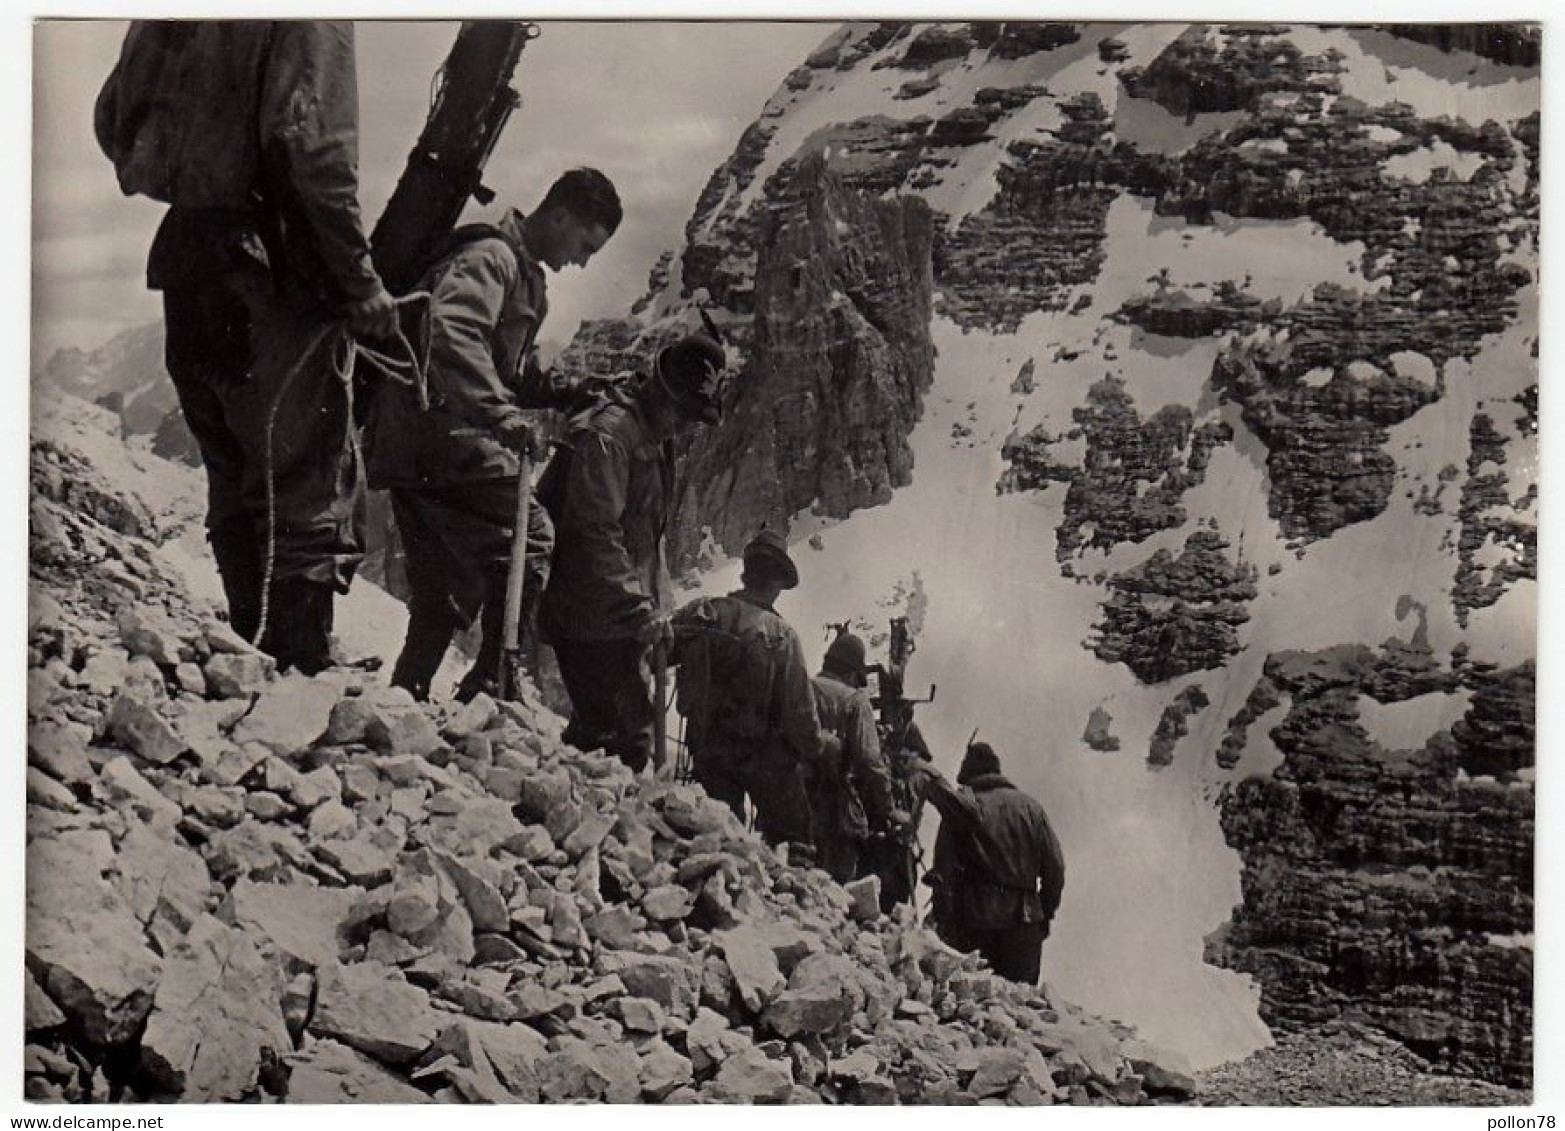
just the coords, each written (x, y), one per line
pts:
(510, 675)
(660, 704)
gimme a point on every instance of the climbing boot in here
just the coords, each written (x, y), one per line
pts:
(299, 624)
(429, 635)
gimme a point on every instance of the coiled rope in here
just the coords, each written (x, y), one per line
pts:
(410, 370)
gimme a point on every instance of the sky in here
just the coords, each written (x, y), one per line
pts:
(655, 105)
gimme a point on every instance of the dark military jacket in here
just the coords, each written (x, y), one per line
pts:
(997, 860)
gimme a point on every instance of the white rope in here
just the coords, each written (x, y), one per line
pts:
(346, 351)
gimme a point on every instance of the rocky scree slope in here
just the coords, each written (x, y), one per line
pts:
(246, 886)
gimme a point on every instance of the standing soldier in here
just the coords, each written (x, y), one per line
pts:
(998, 870)
(849, 785)
(609, 490)
(248, 129)
(745, 693)
(452, 468)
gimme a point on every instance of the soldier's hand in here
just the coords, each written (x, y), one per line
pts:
(659, 631)
(374, 317)
(518, 436)
(898, 819)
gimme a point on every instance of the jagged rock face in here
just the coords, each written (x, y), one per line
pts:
(1393, 887)
(1491, 519)
(1175, 615)
(837, 357)
(1516, 45)
(841, 359)
(1194, 75)
(1325, 443)
(1132, 477)
(1176, 313)
(1174, 724)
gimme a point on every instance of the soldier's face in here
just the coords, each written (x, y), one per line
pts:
(574, 243)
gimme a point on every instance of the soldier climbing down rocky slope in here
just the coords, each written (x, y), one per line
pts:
(998, 871)
(745, 693)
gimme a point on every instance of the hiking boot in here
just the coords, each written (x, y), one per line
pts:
(475, 681)
(429, 635)
(298, 633)
(239, 569)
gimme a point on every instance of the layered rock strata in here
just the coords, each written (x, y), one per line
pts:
(1132, 477)
(1171, 616)
(1392, 887)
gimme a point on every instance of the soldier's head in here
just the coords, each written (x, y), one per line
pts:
(574, 220)
(768, 570)
(845, 660)
(686, 383)
(979, 760)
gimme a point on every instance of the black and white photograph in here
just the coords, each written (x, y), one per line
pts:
(782, 561)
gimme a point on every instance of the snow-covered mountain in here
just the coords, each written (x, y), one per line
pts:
(1179, 383)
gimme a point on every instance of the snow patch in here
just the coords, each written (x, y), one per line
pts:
(1411, 723)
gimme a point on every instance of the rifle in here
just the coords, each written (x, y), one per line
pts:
(895, 710)
(471, 103)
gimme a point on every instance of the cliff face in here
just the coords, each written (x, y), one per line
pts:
(831, 320)
(839, 361)
(1392, 886)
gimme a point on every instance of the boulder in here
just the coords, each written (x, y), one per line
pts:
(159, 876)
(668, 903)
(865, 894)
(254, 849)
(753, 966)
(372, 1008)
(485, 905)
(147, 631)
(331, 1073)
(217, 1016)
(752, 1077)
(471, 718)
(331, 820)
(995, 1071)
(60, 750)
(290, 715)
(303, 922)
(358, 858)
(640, 1015)
(577, 1070)
(232, 675)
(43, 790)
(663, 1070)
(84, 944)
(123, 784)
(822, 995)
(135, 724)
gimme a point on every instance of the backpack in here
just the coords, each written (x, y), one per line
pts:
(730, 672)
(177, 114)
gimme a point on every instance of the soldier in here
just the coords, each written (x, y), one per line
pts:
(998, 870)
(609, 490)
(249, 130)
(745, 693)
(452, 468)
(849, 784)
